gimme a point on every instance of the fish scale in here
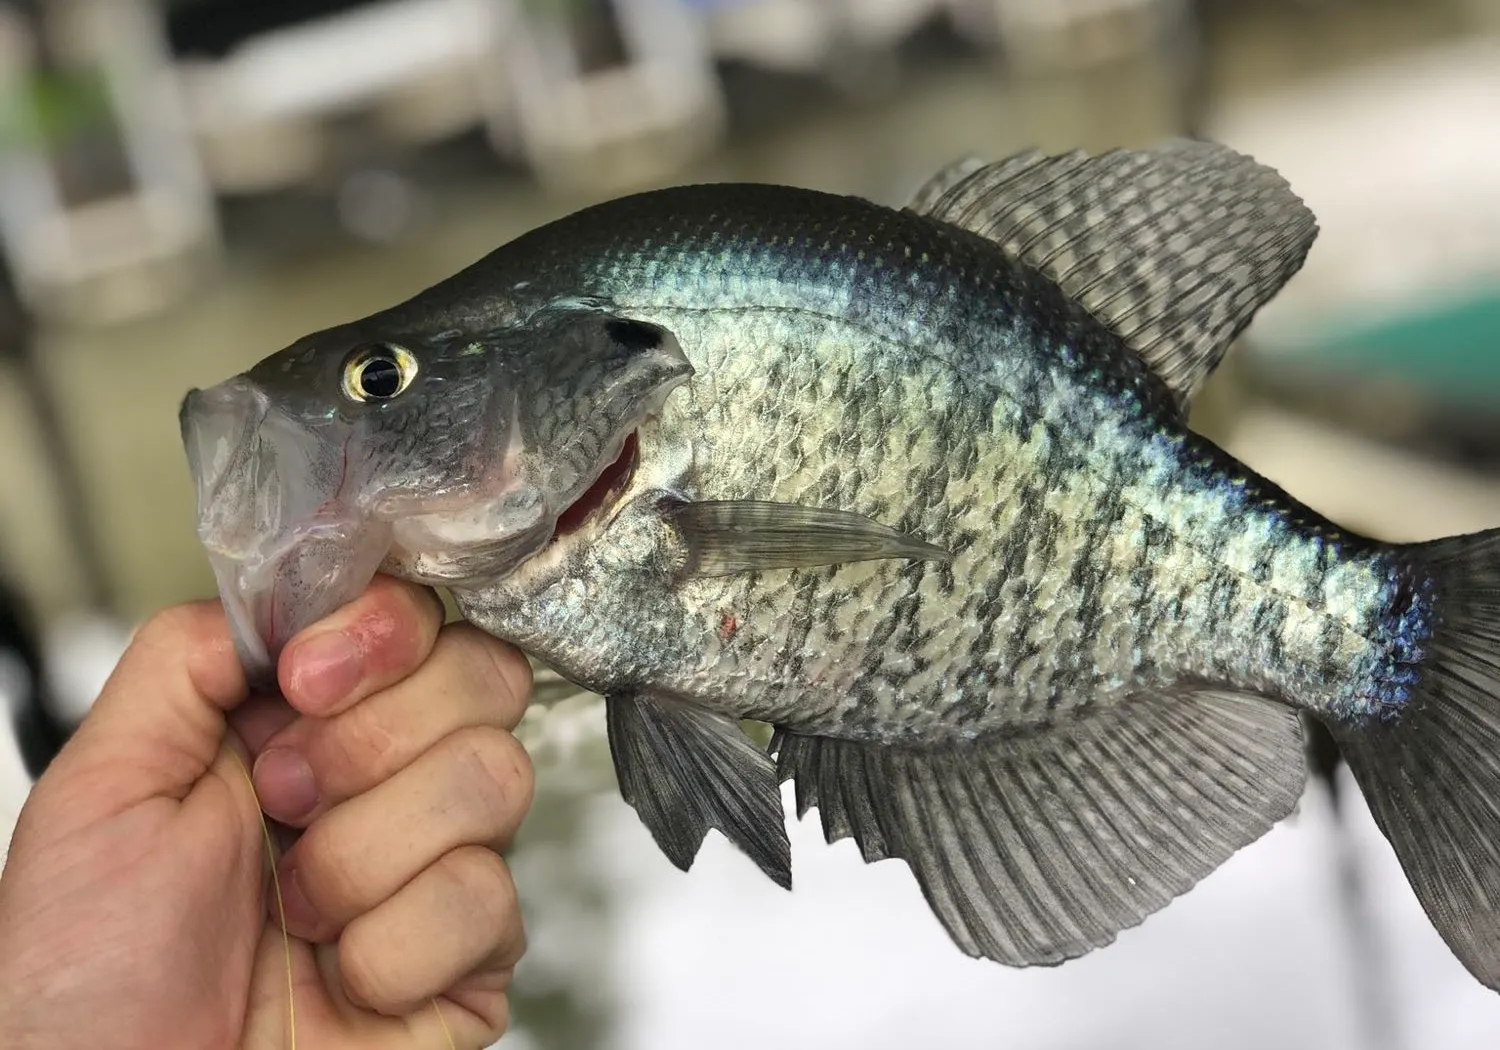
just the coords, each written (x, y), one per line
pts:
(1007, 488)
(915, 487)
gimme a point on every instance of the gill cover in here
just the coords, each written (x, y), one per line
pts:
(304, 492)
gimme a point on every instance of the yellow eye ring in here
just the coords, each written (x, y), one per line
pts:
(378, 372)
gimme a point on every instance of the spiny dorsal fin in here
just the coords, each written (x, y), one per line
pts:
(1174, 248)
(933, 189)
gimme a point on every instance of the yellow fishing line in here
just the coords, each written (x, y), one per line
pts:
(286, 939)
(446, 1034)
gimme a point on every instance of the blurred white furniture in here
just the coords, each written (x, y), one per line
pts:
(413, 70)
(609, 93)
(837, 39)
(138, 235)
(1042, 35)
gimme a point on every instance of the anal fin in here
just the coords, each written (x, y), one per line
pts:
(1035, 849)
(686, 770)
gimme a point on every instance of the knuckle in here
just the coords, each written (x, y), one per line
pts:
(499, 1016)
(481, 877)
(333, 888)
(514, 671)
(191, 622)
(195, 637)
(498, 668)
(359, 745)
(368, 978)
(496, 770)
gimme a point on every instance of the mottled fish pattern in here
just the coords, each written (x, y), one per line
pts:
(849, 355)
(914, 486)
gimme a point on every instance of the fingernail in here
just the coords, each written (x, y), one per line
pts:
(301, 916)
(284, 781)
(325, 669)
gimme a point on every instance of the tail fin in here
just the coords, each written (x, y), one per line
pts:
(1432, 774)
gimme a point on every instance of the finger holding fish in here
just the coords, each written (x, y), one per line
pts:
(470, 789)
(372, 643)
(312, 765)
(377, 640)
(407, 788)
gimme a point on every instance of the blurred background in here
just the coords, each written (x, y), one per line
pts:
(187, 185)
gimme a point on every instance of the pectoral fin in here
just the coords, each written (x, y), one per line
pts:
(686, 770)
(725, 537)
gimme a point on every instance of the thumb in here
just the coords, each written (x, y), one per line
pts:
(158, 724)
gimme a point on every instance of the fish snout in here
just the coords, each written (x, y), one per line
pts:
(287, 541)
(215, 424)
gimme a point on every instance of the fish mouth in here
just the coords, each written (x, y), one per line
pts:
(604, 493)
(289, 540)
(286, 544)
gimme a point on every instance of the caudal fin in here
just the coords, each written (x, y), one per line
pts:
(1431, 773)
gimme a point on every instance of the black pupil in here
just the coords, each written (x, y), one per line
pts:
(380, 378)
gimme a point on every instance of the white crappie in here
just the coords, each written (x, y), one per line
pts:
(915, 487)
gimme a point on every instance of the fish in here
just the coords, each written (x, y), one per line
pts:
(915, 487)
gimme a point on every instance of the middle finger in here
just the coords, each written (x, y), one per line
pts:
(472, 788)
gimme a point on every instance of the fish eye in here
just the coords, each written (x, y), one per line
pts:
(378, 372)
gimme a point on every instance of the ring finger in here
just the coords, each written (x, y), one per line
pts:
(458, 919)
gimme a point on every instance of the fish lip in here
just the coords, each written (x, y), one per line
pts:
(264, 549)
(213, 448)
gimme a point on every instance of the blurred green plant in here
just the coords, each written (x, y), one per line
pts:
(46, 108)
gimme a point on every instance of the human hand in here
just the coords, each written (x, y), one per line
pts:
(133, 904)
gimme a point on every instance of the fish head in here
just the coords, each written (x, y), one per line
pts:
(445, 459)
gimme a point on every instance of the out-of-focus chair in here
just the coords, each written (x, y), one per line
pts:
(848, 43)
(1049, 35)
(269, 90)
(607, 94)
(104, 209)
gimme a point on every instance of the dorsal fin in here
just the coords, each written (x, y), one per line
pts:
(929, 193)
(1174, 247)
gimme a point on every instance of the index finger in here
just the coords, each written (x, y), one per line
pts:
(471, 679)
(373, 642)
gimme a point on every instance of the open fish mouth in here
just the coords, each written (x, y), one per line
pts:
(293, 531)
(287, 542)
(601, 497)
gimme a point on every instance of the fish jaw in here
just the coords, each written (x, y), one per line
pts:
(287, 541)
